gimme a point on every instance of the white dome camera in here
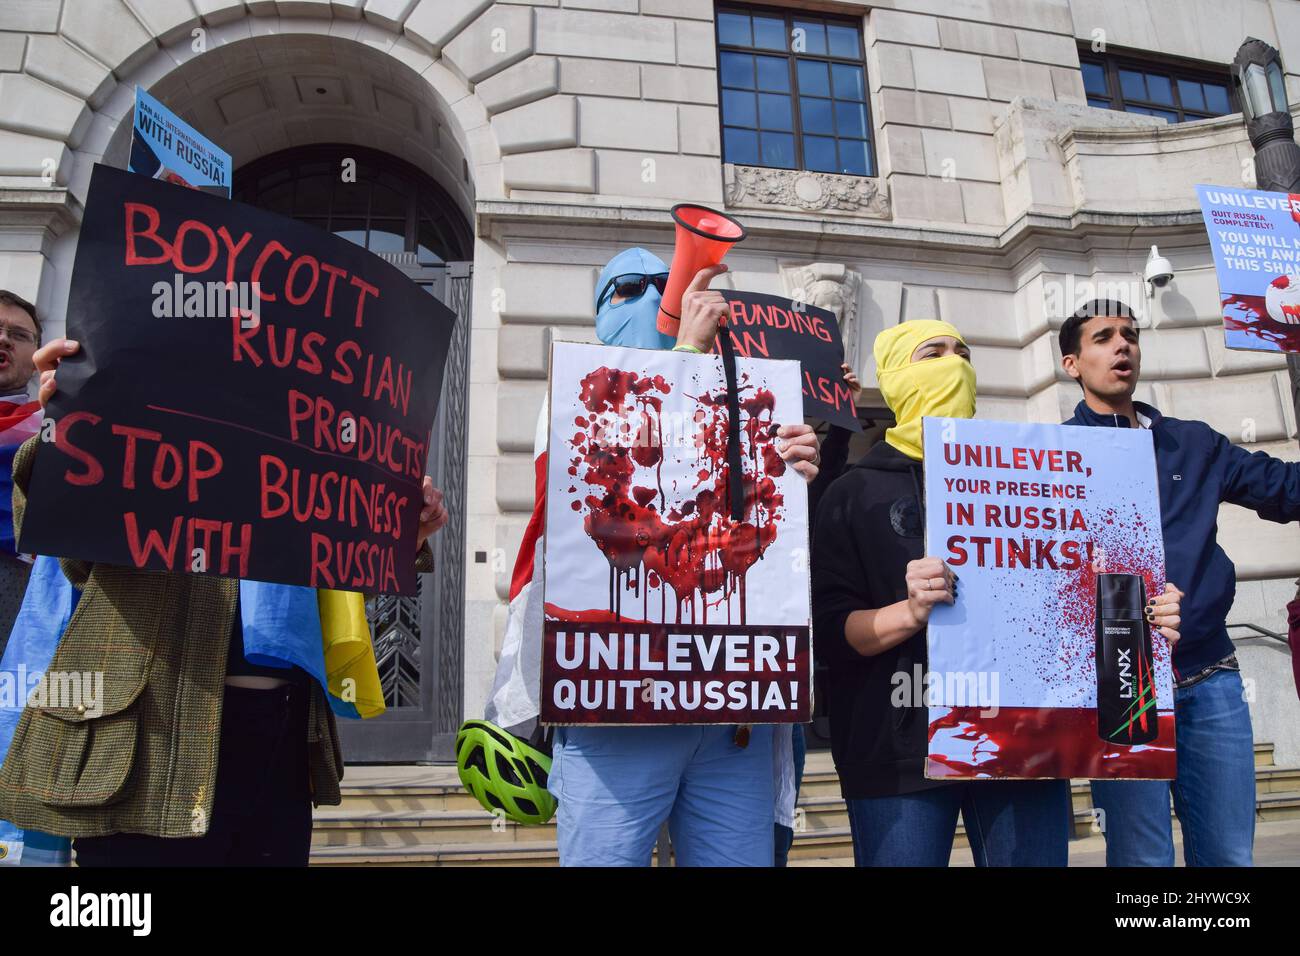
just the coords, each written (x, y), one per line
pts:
(1158, 273)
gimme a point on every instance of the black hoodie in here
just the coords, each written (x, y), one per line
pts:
(869, 526)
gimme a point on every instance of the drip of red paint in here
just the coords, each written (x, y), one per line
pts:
(1248, 314)
(1037, 742)
(690, 546)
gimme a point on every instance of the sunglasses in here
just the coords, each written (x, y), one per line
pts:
(633, 284)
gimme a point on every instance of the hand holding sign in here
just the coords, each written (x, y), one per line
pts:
(434, 514)
(929, 582)
(703, 309)
(46, 359)
(797, 444)
(1162, 613)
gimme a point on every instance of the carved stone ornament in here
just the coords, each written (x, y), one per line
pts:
(832, 286)
(757, 187)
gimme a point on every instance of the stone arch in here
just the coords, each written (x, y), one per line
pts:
(420, 59)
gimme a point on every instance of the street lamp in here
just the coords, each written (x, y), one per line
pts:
(1261, 85)
(1257, 69)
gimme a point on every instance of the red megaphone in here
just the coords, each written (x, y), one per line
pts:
(704, 236)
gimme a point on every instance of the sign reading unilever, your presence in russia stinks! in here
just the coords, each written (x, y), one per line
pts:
(1044, 665)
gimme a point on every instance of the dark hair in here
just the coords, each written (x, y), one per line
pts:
(9, 298)
(1071, 337)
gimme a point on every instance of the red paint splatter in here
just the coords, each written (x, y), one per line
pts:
(691, 545)
(1041, 742)
(1248, 314)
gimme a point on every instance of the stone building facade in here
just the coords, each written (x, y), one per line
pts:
(562, 130)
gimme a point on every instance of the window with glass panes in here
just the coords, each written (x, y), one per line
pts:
(1177, 93)
(391, 207)
(793, 91)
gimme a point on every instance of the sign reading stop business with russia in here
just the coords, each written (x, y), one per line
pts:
(659, 608)
(253, 397)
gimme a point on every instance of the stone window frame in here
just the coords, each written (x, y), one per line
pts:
(789, 16)
(1171, 68)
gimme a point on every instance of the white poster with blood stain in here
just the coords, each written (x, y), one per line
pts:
(660, 608)
(1044, 665)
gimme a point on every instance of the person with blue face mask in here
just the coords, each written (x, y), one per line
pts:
(628, 293)
(717, 787)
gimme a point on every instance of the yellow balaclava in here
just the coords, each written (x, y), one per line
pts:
(936, 388)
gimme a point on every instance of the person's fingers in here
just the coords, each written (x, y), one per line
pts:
(704, 277)
(807, 469)
(47, 357)
(47, 389)
(798, 450)
(794, 430)
(433, 500)
(1169, 634)
(927, 567)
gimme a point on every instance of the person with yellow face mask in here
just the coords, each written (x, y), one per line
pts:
(873, 590)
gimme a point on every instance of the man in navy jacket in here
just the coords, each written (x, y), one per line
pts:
(1214, 794)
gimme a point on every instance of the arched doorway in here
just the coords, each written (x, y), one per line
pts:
(388, 206)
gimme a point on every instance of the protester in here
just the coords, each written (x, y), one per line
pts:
(718, 788)
(834, 452)
(20, 417)
(873, 591)
(188, 739)
(1214, 794)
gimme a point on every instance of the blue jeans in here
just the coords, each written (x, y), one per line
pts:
(1009, 823)
(1214, 794)
(783, 836)
(617, 785)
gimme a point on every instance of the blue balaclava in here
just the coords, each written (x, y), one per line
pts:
(631, 323)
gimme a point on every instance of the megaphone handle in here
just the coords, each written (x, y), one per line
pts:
(735, 476)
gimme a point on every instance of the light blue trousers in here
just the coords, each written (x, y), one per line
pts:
(616, 787)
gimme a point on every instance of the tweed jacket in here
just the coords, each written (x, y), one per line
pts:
(146, 760)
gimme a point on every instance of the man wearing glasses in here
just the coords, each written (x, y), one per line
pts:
(20, 418)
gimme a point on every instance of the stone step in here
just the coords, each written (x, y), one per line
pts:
(422, 816)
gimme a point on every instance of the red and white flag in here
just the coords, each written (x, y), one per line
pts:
(516, 687)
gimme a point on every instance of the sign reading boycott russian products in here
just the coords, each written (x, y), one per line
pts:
(253, 397)
(1255, 236)
(768, 326)
(1045, 666)
(660, 609)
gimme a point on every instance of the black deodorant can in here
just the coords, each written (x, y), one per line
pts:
(1126, 690)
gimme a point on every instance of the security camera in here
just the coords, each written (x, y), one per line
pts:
(1158, 273)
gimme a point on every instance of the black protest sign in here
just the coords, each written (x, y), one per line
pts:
(770, 326)
(253, 397)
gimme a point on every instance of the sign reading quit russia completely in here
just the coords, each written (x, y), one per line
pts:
(281, 435)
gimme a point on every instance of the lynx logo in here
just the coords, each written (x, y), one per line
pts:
(74, 909)
(1125, 674)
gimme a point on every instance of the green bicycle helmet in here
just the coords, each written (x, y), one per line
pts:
(505, 773)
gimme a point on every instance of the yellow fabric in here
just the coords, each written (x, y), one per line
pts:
(349, 651)
(934, 388)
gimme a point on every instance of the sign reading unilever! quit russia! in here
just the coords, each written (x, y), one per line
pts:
(661, 607)
(253, 397)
